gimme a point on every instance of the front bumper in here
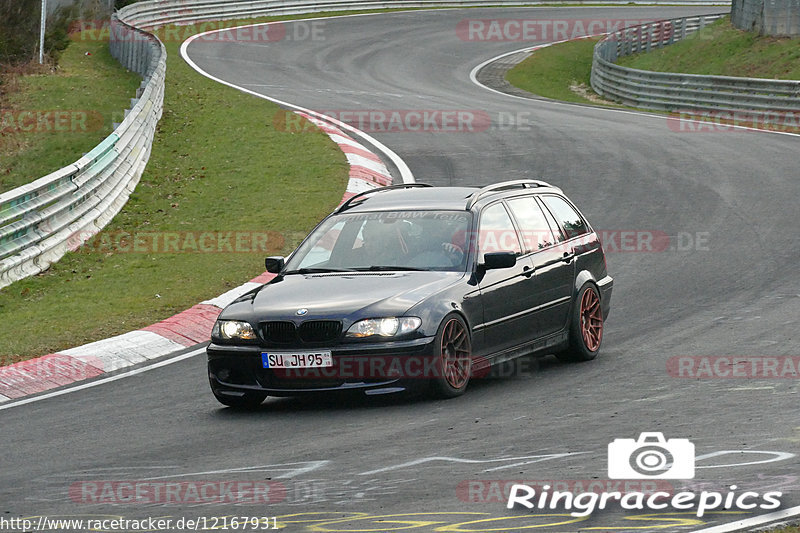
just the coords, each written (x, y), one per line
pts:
(357, 366)
(606, 285)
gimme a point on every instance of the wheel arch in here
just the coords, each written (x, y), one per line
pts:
(584, 277)
(433, 310)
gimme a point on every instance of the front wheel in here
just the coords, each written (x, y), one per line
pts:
(586, 326)
(453, 353)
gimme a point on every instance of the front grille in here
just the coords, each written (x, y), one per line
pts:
(280, 332)
(312, 331)
(320, 330)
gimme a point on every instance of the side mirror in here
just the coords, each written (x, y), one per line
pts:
(493, 260)
(274, 264)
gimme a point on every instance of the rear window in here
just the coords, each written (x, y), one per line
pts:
(565, 214)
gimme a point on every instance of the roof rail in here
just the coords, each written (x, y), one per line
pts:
(524, 184)
(347, 204)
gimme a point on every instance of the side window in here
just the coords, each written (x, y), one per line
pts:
(497, 233)
(564, 213)
(536, 232)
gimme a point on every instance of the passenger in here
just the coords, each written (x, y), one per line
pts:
(383, 244)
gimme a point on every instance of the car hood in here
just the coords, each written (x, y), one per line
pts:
(354, 296)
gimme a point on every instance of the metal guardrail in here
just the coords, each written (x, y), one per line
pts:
(160, 12)
(41, 221)
(669, 91)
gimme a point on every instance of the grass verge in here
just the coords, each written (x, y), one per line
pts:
(218, 164)
(722, 50)
(560, 71)
(90, 93)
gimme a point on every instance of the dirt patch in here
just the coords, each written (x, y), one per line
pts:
(586, 92)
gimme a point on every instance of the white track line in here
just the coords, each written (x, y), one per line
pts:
(405, 173)
(752, 522)
(104, 380)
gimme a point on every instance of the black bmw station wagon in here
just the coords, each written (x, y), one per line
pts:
(413, 285)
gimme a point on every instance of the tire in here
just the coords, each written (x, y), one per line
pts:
(249, 400)
(453, 353)
(586, 327)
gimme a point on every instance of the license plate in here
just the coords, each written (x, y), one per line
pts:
(318, 359)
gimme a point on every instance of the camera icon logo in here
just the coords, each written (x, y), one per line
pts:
(651, 457)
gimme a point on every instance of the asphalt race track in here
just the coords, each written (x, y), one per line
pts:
(725, 283)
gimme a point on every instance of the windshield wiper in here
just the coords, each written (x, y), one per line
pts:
(317, 270)
(382, 268)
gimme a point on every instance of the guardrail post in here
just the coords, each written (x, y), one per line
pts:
(613, 51)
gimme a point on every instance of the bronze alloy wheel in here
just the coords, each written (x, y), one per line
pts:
(591, 320)
(586, 327)
(453, 358)
(456, 352)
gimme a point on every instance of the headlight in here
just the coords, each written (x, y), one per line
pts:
(384, 327)
(233, 330)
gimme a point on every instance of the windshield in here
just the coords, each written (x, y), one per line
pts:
(387, 240)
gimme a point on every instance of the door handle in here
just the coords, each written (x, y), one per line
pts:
(528, 271)
(568, 256)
